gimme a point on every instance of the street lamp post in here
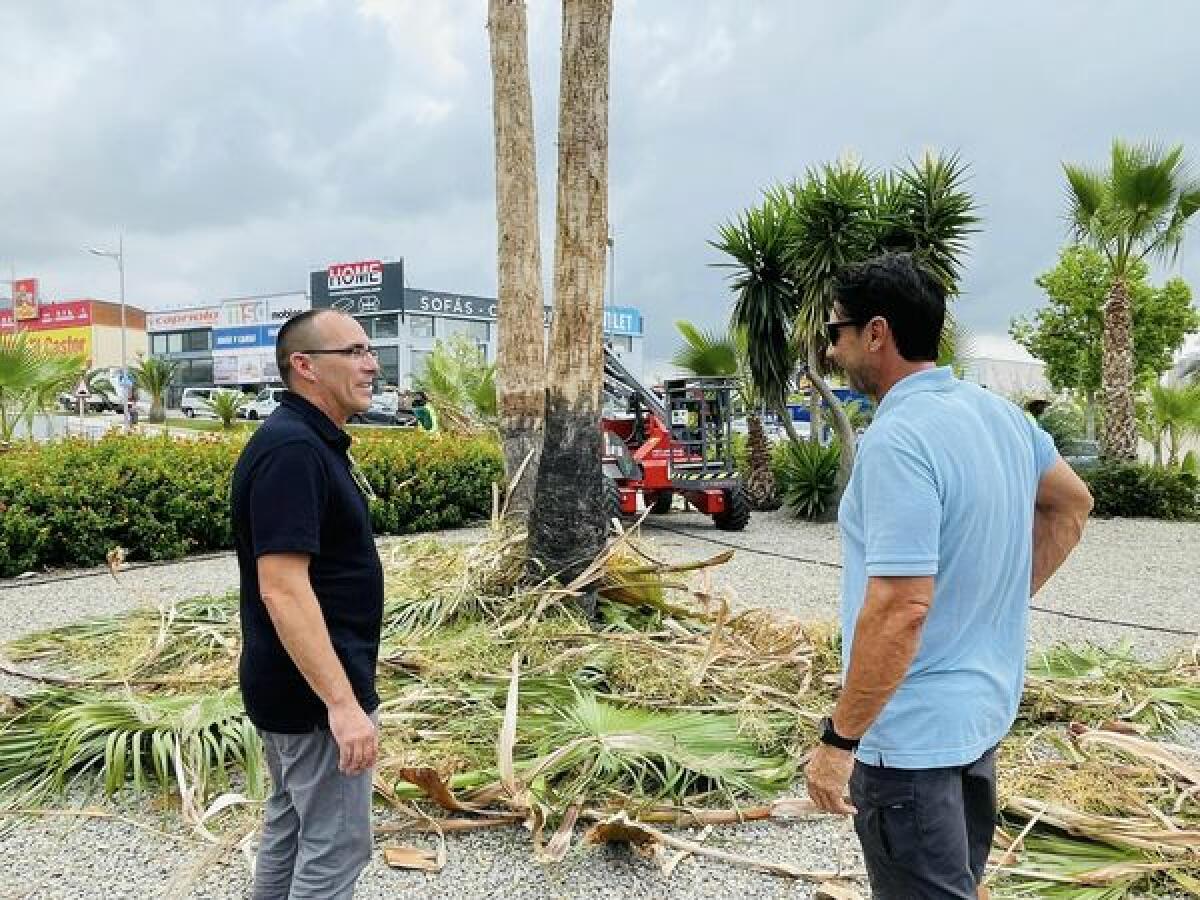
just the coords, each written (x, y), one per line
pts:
(119, 256)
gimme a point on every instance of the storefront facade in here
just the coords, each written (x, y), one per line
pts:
(85, 327)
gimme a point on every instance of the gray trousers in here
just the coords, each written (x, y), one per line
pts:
(316, 835)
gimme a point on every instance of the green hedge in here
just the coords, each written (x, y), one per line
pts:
(69, 503)
(1139, 490)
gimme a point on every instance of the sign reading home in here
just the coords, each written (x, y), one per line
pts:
(359, 288)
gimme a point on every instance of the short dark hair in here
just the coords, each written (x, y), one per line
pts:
(297, 333)
(897, 288)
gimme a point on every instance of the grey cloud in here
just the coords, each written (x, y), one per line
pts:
(241, 144)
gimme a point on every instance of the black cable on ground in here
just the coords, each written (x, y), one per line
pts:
(824, 562)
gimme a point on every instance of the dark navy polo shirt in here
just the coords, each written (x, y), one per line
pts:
(293, 493)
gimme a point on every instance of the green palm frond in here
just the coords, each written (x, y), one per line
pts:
(1136, 208)
(61, 734)
(704, 352)
(597, 749)
(460, 384)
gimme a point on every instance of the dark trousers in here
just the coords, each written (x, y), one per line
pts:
(925, 833)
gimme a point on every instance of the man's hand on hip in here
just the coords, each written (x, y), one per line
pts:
(356, 735)
(828, 773)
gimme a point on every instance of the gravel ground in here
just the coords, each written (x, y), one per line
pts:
(1137, 571)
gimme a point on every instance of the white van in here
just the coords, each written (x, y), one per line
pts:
(195, 401)
(262, 405)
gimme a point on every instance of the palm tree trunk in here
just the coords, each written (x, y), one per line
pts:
(816, 419)
(568, 523)
(761, 483)
(847, 440)
(1089, 422)
(520, 349)
(1120, 425)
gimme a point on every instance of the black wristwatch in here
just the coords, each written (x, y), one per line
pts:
(830, 736)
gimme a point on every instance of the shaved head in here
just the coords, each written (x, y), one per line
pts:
(299, 333)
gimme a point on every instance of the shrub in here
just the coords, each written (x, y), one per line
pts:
(1138, 490)
(1064, 422)
(69, 503)
(806, 475)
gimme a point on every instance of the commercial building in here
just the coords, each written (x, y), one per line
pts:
(233, 342)
(83, 327)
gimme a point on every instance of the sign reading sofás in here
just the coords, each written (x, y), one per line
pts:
(366, 286)
(456, 306)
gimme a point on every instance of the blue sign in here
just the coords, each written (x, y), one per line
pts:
(622, 320)
(243, 337)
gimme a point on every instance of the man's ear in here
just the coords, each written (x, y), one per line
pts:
(877, 333)
(301, 364)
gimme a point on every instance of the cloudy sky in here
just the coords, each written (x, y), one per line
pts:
(239, 145)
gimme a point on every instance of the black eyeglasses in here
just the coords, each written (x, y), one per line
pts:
(832, 329)
(358, 351)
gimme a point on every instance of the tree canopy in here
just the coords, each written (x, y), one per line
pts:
(1067, 334)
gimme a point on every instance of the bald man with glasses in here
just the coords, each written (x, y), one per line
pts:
(311, 612)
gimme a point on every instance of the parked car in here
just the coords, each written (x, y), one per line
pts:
(93, 403)
(195, 400)
(262, 405)
(1081, 454)
(401, 418)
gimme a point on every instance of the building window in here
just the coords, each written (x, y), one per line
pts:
(158, 344)
(389, 364)
(386, 327)
(420, 326)
(197, 340)
(476, 331)
(175, 342)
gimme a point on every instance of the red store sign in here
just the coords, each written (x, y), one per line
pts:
(64, 314)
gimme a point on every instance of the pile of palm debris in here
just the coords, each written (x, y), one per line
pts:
(503, 706)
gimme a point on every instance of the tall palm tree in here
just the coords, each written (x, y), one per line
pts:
(520, 348)
(728, 354)
(1136, 208)
(568, 522)
(153, 375)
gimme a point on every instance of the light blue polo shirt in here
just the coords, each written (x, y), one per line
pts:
(944, 484)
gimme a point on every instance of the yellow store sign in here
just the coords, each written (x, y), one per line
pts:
(75, 341)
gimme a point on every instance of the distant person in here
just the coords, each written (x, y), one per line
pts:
(1034, 409)
(424, 412)
(311, 611)
(958, 510)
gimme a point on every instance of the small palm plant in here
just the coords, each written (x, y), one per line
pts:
(154, 376)
(1170, 414)
(461, 385)
(224, 405)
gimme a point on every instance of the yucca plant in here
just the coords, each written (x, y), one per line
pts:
(807, 474)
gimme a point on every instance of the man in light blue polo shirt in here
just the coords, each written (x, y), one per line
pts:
(957, 511)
